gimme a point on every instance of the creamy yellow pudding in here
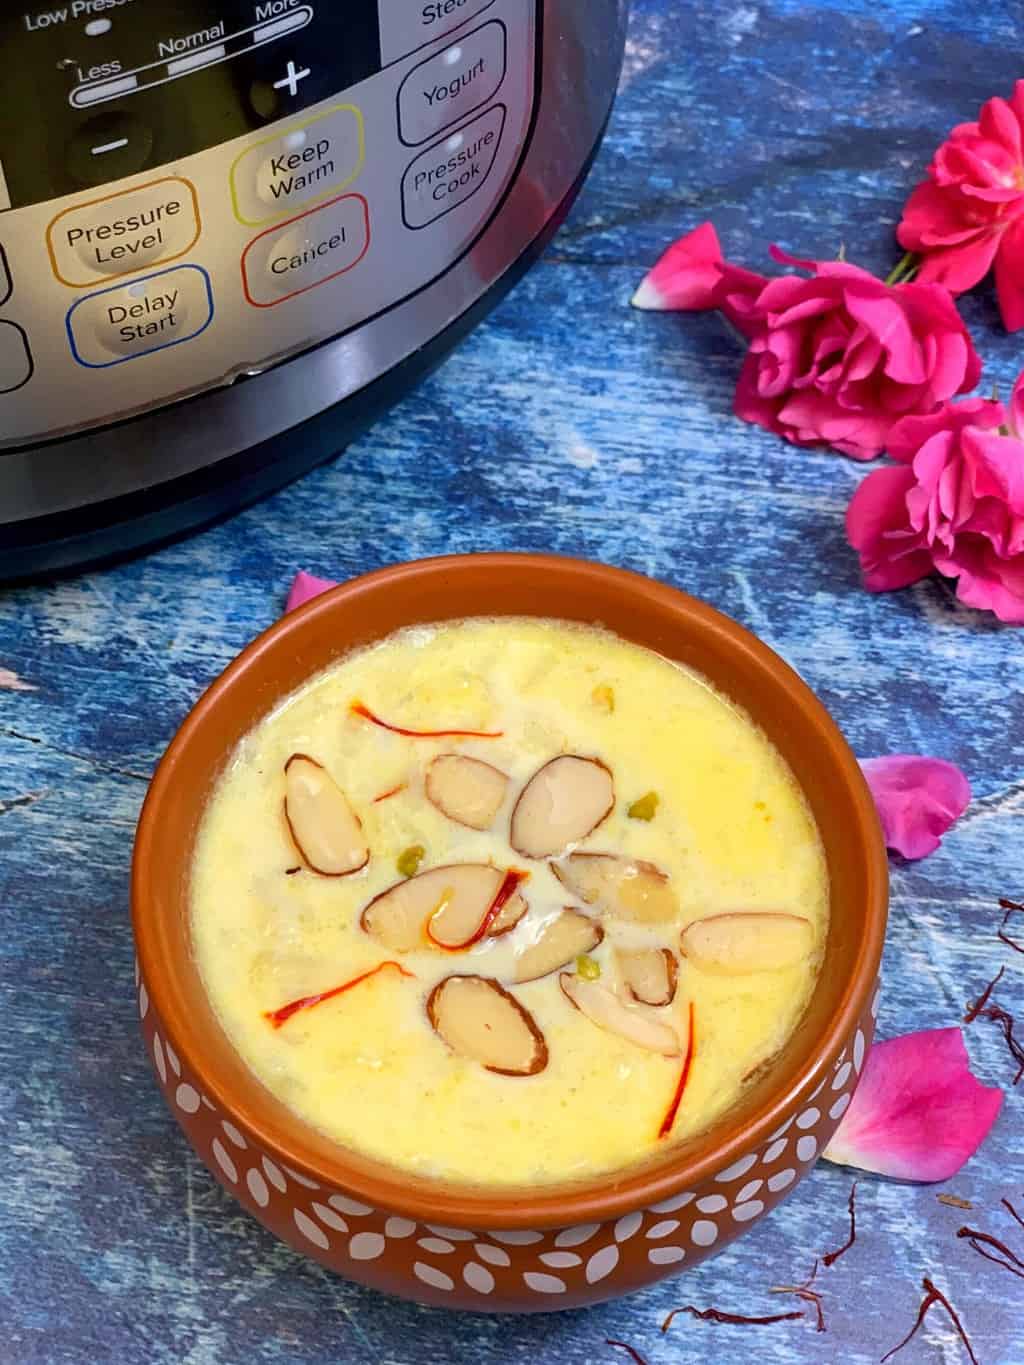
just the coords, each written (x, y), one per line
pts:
(601, 910)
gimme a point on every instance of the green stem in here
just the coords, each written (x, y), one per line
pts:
(904, 270)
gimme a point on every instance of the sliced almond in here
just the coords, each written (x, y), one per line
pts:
(561, 941)
(746, 941)
(648, 974)
(561, 804)
(454, 899)
(479, 1019)
(604, 1008)
(324, 827)
(467, 790)
(627, 888)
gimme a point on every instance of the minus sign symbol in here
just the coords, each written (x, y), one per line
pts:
(110, 146)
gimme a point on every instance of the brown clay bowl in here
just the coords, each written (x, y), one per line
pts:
(512, 1249)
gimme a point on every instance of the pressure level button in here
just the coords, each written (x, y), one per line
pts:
(125, 232)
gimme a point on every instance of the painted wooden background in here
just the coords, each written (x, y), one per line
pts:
(566, 423)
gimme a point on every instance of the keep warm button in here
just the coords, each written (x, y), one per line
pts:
(132, 320)
(307, 251)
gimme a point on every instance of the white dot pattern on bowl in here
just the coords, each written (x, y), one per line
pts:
(429, 1274)
(309, 1229)
(781, 1179)
(544, 1284)
(478, 1278)
(257, 1187)
(329, 1218)
(143, 1001)
(187, 1098)
(224, 1161)
(663, 1229)
(366, 1246)
(723, 1214)
(601, 1264)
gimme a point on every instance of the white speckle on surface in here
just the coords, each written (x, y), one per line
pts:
(478, 1277)
(10, 682)
(493, 1255)
(437, 1245)
(231, 1132)
(704, 1233)
(330, 1218)
(744, 1212)
(842, 1076)
(678, 1201)
(737, 1169)
(602, 1263)
(773, 1152)
(429, 1274)
(662, 1229)
(544, 1284)
(781, 1179)
(187, 1098)
(712, 1203)
(859, 1047)
(560, 1260)
(366, 1246)
(665, 1255)
(304, 1180)
(517, 1237)
(580, 456)
(806, 1149)
(628, 1226)
(573, 1237)
(143, 1002)
(783, 1128)
(840, 1107)
(399, 1227)
(274, 1174)
(172, 1057)
(352, 1207)
(158, 1058)
(223, 1160)
(258, 1188)
(309, 1229)
(453, 1234)
(748, 1191)
(808, 1118)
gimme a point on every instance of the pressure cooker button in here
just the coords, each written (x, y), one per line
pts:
(306, 252)
(451, 84)
(405, 26)
(15, 357)
(451, 171)
(124, 232)
(132, 320)
(302, 164)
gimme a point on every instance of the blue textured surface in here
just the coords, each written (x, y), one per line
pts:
(566, 423)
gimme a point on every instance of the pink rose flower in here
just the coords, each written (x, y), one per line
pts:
(954, 505)
(970, 212)
(918, 1113)
(836, 359)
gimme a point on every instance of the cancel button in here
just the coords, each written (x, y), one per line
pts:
(306, 252)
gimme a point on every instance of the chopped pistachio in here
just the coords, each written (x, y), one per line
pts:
(644, 807)
(587, 967)
(603, 698)
(408, 861)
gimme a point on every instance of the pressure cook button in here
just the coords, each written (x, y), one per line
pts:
(306, 251)
(304, 163)
(132, 320)
(406, 25)
(124, 232)
(451, 171)
(15, 357)
(451, 84)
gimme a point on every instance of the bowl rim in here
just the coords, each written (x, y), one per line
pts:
(596, 1199)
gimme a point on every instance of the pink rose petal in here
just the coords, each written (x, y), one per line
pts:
(918, 799)
(685, 275)
(918, 1113)
(306, 586)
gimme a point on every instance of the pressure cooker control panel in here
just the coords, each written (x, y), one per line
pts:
(192, 191)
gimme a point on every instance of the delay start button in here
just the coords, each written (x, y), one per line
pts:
(307, 251)
(132, 320)
(451, 171)
(124, 232)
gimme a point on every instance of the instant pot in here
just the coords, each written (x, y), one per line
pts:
(231, 233)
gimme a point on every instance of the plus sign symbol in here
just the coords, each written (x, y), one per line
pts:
(290, 80)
